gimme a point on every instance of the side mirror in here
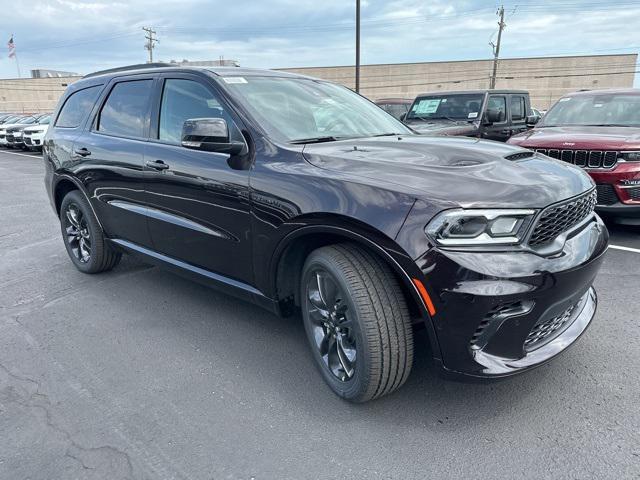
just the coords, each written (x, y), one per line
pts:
(210, 135)
(493, 116)
(531, 120)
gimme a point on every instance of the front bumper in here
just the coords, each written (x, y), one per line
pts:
(492, 306)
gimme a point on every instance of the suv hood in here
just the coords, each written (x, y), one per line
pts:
(442, 127)
(453, 171)
(580, 138)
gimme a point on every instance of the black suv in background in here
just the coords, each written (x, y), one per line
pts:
(301, 196)
(489, 114)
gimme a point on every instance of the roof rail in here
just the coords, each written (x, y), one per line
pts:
(139, 66)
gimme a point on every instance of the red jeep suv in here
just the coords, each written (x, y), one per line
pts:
(600, 132)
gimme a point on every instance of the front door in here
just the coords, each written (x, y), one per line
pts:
(500, 130)
(198, 201)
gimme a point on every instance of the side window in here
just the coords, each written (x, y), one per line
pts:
(125, 112)
(77, 106)
(517, 108)
(186, 99)
(499, 104)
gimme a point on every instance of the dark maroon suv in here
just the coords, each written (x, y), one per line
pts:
(600, 132)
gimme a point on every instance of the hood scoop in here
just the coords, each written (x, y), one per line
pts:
(519, 156)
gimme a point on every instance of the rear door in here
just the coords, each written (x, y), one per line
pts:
(198, 201)
(500, 130)
(112, 154)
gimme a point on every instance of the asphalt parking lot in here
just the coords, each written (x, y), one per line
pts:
(138, 373)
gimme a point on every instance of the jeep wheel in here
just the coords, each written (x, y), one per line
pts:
(357, 322)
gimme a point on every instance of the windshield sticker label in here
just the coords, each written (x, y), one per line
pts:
(427, 106)
(234, 80)
(472, 115)
(565, 99)
(597, 105)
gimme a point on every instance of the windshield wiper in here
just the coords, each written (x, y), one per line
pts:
(314, 140)
(390, 134)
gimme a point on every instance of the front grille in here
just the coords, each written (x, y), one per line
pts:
(10, 138)
(634, 193)
(545, 331)
(27, 140)
(583, 158)
(606, 194)
(560, 218)
(2, 136)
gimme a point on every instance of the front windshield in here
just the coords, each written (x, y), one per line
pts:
(10, 119)
(44, 120)
(26, 121)
(298, 109)
(451, 107)
(599, 110)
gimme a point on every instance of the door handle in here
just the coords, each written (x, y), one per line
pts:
(157, 165)
(83, 152)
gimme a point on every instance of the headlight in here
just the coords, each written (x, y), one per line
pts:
(630, 156)
(479, 227)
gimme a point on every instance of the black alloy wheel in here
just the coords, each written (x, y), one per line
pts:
(83, 237)
(357, 322)
(333, 330)
(78, 235)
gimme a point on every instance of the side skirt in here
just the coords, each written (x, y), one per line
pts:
(221, 283)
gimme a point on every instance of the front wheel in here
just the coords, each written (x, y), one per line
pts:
(357, 322)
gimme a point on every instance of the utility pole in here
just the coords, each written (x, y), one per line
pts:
(496, 47)
(357, 46)
(151, 41)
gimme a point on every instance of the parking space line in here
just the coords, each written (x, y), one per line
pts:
(35, 155)
(626, 249)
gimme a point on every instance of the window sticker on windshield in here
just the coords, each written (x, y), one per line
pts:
(234, 80)
(472, 115)
(565, 99)
(427, 106)
(597, 105)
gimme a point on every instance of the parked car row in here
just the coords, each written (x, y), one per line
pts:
(23, 131)
(598, 131)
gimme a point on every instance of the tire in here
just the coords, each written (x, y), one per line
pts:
(377, 342)
(85, 245)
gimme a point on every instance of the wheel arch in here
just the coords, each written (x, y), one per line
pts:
(292, 251)
(63, 186)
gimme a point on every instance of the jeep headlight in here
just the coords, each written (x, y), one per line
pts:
(462, 227)
(630, 156)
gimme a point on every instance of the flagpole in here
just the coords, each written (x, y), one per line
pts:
(15, 55)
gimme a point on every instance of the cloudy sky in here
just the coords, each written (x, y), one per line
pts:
(83, 36)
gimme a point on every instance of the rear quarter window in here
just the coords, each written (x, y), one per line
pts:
(77, 107)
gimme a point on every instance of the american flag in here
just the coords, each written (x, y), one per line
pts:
(12, 47)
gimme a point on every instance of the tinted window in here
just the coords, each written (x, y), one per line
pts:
(395, 109)
(499, 104)
(125, 112)
(186, 99)
(517, 108)
(77, 107)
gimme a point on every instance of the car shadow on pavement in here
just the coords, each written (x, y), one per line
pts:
(273, 356)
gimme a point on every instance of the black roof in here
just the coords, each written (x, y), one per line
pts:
(480, 91)
(219, 71)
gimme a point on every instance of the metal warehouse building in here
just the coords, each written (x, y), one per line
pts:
(546, 78)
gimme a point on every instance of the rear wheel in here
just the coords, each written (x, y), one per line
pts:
(83, 236)
(357, 322)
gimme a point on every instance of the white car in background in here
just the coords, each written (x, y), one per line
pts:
(33, 135)
(23, 120)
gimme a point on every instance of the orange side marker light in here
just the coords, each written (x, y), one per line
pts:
(425, 296)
